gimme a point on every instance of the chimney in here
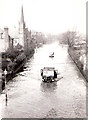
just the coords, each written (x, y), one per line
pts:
(6, 39)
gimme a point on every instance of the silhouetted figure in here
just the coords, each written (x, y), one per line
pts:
(55, 74)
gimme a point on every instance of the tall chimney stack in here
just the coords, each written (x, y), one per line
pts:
(6, 39)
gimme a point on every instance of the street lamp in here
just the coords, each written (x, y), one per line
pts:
(5, 73)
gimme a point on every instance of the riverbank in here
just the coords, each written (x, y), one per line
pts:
(75, 55)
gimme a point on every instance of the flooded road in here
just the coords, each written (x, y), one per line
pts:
(29, 97)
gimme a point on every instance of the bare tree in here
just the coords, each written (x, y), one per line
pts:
(69, 37)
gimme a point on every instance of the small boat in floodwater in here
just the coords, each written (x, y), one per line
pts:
(51, 55)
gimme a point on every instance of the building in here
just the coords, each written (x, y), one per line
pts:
(15, 35)
(18, 36)
(22, 29)
(6, 42)
(25, 39)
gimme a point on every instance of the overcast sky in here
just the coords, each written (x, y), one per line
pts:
(52, 16)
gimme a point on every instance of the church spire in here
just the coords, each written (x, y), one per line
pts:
(22, 15)
(21, 28)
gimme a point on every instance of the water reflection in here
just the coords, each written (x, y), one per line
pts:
(48, 87)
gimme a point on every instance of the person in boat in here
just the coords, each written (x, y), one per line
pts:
(55, 74)
(53, 53)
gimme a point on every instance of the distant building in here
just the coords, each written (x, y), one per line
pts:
(24, 34)
(19, 36)
(15, 35)
(22, 29)
(5, 40)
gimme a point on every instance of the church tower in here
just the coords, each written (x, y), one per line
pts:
(22, 29)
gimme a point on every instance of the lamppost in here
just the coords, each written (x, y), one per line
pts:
(5, 73)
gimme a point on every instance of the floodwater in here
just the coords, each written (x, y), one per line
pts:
(29, 97)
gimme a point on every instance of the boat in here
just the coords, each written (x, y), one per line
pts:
(51, 55)
(49, 74)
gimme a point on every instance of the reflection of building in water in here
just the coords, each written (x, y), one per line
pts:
(48, 87)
